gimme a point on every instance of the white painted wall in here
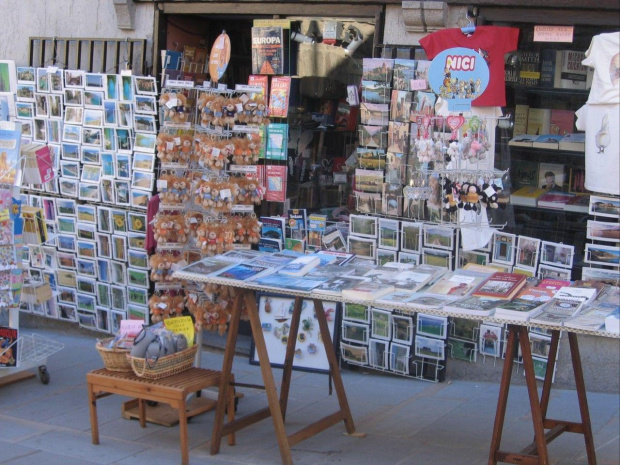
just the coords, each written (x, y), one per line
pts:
(22, 19)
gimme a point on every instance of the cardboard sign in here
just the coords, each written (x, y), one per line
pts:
(181, 325)
(553, 33)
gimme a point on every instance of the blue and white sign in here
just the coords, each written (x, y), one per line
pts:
(459, 75)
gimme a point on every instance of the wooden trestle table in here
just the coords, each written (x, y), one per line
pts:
(518, 335)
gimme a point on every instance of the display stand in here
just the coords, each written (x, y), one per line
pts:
(536, 453)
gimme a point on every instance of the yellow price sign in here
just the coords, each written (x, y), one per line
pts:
(181, 325)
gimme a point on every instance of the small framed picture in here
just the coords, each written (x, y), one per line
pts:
(104, 245)
(138, 259)
(126, 88)
(378, 354)
(66, 242)
(146, 104)
(361, 246)
(463, 350)
(86, 232)
(107, 191)
(385, 256)
(43, 82)
(93, 99)
(104, 271)
(478, 258)
(108, 164)
(67, 295)
(86, 285)
(540, 368)
(144, 123)
(137, 296)
(399, 358)
(112, 87)
(363, 226)
(24, 110)
(409, 258)
(70, 151)
(72, 133)
(504, 247)
(354, 332)
(438, 237)
(602, 255)
(26, 128)
(103, 294)
(94, 81)
(25, 92)
(93, 118)
(86, 249)
(87, 267)
(530, 272)
(104, 219)
(89, 191)
(66, 224)
(41, 107)
(110, 113)
(540, 345)
(119, 221)
(25, 75)
(92, 136)
(74, 97)
(389, 234)
(40, 130)
(380, 324)
(142, 180)
(118, 273)
(103, 319)
(490, 340)
(119, 248)
(125, 114)
(54, 131)
(435, 257)
(145, 85)
(527, 252)
(402, 329)
(87, 319)
(67, 312)
(432, 326)
(143, 161)
(559, 255)
(109, 139)
(610, 277)
(411, 237)
(552, 272)
(137, 277)
(355, 355)
(70, 169)
(123, 166)
(121, 192)
(91, 155)
(74, 78)
(145, 142)
(603, 231)
(66, 261)
(91, 173)
(136, 241)
(140, 199)
(607, 207)
(356, 312)
(66, 278)
(86, 302)
(123, 140)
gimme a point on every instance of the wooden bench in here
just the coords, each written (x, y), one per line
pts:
(172, 390)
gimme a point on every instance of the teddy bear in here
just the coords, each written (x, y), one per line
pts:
(240, 231)
(245, 115)
(260, 112)
(158, 268)
(186, 148)
(165, 146)
(192, 221)
(230, 112)
(254, 233)
(179, 229)
(226, 152)
(205, 102)
(255, 193)
(201, 235)
(163, 230)
(218, 112)
(240, 154)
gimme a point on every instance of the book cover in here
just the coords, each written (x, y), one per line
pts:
(500, 286)
(584, 294)
(367, 291)
(575, 142)
(511, 68)
(525, 174)
(547, 67)
(612, 322)
(259, 81)
(551, 176)
(552, 284)
(269, 245)
(527, 304)
(457, 284)
(529, 68)
(316, 228)
(8, 346)
(171, 59)
(346, 116)
(334, 285)
(300, 266)
(520, 125)
(527, 196)
(538, 121)
(44, 163)
(275, 176)
(203, 267)
(579, 204)
(10, 139)
(279, 96)
(557, 312)
(572, 74)
(241, 272)
(267, 50)
(562, 122)
(409, 280)
(277, 141)
(273, 227)
(341, 258)
(297, 223)
(547, 141)
(522, 140)
(296, 245)
(418, 299)
(404, 73)
(554, 199)
(475, 305)
(592, 318)
(278, 281)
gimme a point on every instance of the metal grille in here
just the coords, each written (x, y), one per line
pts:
(91, 55)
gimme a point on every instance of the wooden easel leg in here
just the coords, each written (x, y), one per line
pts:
(183, 433)
(502, 400)
(290, 356)
(333, 366)
(94, 422)
(229, 354)
(532, 389)
(270, 385)
(583, 400)
(546, 391)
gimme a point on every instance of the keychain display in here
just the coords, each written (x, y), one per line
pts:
(174, 108)
(212, 316)
(169, 229)
(249, 191)
(215, 237)
(163, 266)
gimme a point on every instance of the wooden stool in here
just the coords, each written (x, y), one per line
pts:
(172, 390)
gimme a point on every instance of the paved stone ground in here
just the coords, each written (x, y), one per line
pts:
(406, 421)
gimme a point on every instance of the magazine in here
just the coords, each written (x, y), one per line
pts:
(8, 346)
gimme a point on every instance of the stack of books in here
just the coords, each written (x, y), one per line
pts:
(528, 303)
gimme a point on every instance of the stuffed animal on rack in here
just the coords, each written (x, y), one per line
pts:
(165, 147)
(158, 268)
(193, 220)
(449, 197)
(245, 115)
(186, 148)
(260, 113)
(469, 196)
(489, 195)
(163, 230)
(165, 306)
(230, 112)
(205, 102)
(218, 112)
(242, 153)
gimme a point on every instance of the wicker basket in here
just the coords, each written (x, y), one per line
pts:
(165, 366)
(114, 359)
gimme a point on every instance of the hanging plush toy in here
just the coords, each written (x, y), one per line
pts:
(489, 195)
(449, 198)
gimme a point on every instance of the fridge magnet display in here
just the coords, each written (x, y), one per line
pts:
(411, 237)
(381, 327)
(74, 97)
(559, 255)
(86, 285)
(551, 272)
(527, 252)
(138, 278)
(385, 256)
(442, 258)
(86, 231)
(356, 312)
(354, 332)
(490, 340)
(402, 329)
(429, 347)
(463, 350)
(104, 245)
(504, 247)
(378, 354)
(603, 231)
(67, 295)
(389, 237)
(363, 226)
(602, 255)
(399, 358)
(604, 206)
(361, 247)
(438, 237)
(432, 326)
(355, 355)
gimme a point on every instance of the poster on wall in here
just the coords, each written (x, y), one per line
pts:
(275, 314)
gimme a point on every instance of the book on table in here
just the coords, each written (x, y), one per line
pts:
(501, 286)
(300, 266)
(547, 141)
(579, 204)
(367, 290)
(204, 267)
(526, 304)
(416, 299)
(473, 305)
(612, 322)
(522, 140)
(242, 271)
(592, 317)
(408, 280)
(278, 281)
(527, 196)
(458, 283)
(238, 255)
(554, 199)
(553, 284)
(331, 270)
(575, 142)
(557, 312)
(585, 294)
(435, 271)
(342, 258)
(336, 284)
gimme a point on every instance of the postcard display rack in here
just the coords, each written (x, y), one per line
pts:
(101, 132)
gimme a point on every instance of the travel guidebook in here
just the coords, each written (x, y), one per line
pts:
(335, 285)
(278, 281)
(367, 291)
(241, 272)
(205, 266)
(267, 50)
(501, 286)
(557, 312)
(300, 266)
(473, 305)
(592, 318)
(528, 303)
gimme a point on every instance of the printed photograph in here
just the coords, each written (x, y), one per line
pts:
(428, 347)
(432, 326)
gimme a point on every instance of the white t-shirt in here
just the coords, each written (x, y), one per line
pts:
(604, 56)
(601, 123)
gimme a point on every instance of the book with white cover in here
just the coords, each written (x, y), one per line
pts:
(472, 305)
(436, 271)
(416, 299)
(367, 291)
(238, 255)
(277, 281)
(330, 271)
(612, 322)
(458, 283)
(381, 272)
(408, 280)
(526, 304)
(584, 294)
(300, 266)
(557, 312)
(335, 285)
(592, 317)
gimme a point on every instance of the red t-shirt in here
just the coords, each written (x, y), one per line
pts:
(493, 42)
